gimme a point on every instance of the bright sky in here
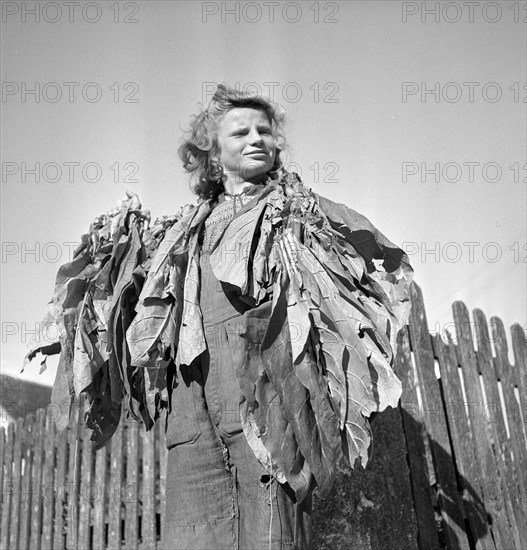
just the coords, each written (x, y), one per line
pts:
(416, 119)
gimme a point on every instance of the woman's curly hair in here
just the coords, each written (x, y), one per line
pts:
(199, 150)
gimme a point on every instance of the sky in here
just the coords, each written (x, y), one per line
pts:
(412, 113)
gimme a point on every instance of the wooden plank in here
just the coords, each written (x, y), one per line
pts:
(99, 507)
(17, 483)
(157, 481)
(36, 479)
(371, 508)
(2, 465)
(59, 530)
(163, 456)
(25, 506)
(519, 346)
(414, 430)
(47, 493)
(518, 468)
(481, 429)
(494, 416)
(450, 502)
(8, 488)
(148, 491)
(116, 486)
(463, 443)
(72, 478)
(131, 487)
(85, 491)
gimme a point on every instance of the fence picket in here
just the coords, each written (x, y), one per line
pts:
(26, 504)
(99, 506)
(85, 492)
(132, 484)
(72, 480)
(115, 493)
(2, 465)
(36, 481)
(163, 455)
(8, 483)
(519, 346)
(449, 498)
(413, 429)
(59, 534)
(47, 493)
(148, 520)
(17, 484)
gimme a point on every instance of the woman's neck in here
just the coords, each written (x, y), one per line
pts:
(234, 184)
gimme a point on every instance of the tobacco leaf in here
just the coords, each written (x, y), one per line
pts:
(298, 319)
(326, 436)
(153, 325)
(62, 395)
(65, 309)
(90, 351)
(260, 277)
(350, 312)
(229, 259)
(191, 340)
(349, 323)
(103, 411)
(396, 274)
(173, 243)
(294, 399)
(371, 384)
(155, 387)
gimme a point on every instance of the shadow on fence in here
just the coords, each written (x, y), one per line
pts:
(448, 467)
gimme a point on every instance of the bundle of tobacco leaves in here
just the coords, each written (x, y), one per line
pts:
(92, 307)
(323, 350)
(313, 362)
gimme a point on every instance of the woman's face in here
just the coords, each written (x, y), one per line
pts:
(246, 142)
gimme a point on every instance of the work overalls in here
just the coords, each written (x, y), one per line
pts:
(218, 494)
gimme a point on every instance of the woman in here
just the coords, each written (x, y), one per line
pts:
(218, 493)
(264, 319)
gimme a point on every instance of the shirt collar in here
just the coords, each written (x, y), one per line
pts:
(248, 189)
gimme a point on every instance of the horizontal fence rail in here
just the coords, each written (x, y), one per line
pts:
(448, 466)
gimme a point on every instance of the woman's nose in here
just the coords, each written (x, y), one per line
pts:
(255, 137)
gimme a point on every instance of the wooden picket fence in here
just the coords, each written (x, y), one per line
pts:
(468, 434)
(58, 493)
(448, 469)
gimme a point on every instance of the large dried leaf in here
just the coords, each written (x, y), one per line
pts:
(153, 325)
(326, 436)
(155, 388)
(229, 259)
(294, 399)
(191, 342)
(396, 274)
(90, 350)
(174, 242)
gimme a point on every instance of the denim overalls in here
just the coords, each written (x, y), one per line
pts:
(218, 494)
